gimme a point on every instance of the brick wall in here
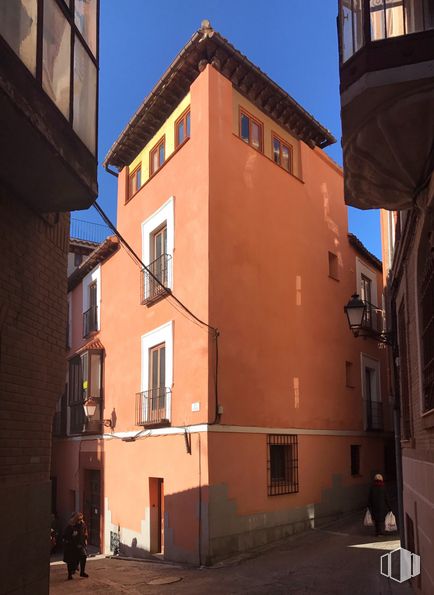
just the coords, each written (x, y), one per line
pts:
(33, 258)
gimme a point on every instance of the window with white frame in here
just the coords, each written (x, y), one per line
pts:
(153, 405)
(367, 290)
(158, 237)
(91, 302)
(372, 404)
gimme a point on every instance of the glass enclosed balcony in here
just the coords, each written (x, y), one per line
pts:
(362, 21)
(48, 99)
(386, 52)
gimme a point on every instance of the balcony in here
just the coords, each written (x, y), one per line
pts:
(90, 321)
(386, 62)
(374, 415)
(95, 233)
(48, 102)
(156, 279)
(373, 320)
(152, 407)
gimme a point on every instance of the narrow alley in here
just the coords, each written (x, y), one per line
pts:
(339, 558)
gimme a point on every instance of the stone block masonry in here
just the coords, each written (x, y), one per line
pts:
(33, 258)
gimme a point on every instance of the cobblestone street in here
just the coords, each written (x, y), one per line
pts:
(339, 558)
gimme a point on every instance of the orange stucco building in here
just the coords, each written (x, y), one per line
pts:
(205, 442)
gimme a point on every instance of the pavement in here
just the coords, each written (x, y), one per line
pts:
(342, 557)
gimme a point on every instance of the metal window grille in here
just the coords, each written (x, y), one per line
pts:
(95, 233)
(151, 406)
(374, 415)
(161, 271)
(90, 321)
(282, 464)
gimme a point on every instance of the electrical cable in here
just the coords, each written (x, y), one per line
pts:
(195, 319)
(148, 271)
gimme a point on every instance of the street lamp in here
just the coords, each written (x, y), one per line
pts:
(355, 311)
(89, 406)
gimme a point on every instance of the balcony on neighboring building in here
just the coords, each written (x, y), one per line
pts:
(152, 407)
(374, 415)
(87, 231)
(387, 100)
(90, 321)
(156, 279)
(48, 102)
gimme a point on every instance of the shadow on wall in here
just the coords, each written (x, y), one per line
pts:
(223, 532)
(231, 532)
(172, 528)
(113, 418)
(133, 551)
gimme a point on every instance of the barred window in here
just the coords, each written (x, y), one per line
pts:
(282, 464)
(426, 313)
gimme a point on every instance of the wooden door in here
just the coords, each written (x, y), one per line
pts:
(92, 504)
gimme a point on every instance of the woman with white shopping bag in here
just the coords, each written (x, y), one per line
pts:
(378, 504)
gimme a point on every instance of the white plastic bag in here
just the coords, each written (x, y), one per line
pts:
(367, 521)
(390, 522)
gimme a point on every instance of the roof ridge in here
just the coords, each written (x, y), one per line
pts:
(207, 46)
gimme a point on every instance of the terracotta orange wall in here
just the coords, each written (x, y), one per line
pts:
(250, 257)
(284, 336)
(384, 215)
(69, 460)
(128, 467)
(320, 460)
(124, 320)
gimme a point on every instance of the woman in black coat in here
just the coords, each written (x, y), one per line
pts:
(378, 503)
(75, 542)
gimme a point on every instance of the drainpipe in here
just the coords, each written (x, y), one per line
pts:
(110, 171)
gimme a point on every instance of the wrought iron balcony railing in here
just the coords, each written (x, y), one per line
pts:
(90, 321)
(152, 406)
(88, 231)
(373, 318)
(156, 279)
(374, 415)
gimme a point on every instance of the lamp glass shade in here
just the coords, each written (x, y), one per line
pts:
(355, 311)
(89, 407)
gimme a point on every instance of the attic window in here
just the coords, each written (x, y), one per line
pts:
(251, 130)
(157, 156)
(182, 128)
(134, 181)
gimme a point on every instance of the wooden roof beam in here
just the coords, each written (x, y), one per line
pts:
(238, 74)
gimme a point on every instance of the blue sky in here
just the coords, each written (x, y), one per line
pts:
(294, 42)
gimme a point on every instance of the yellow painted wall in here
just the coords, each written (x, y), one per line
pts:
(168, 129)
(269, 126)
